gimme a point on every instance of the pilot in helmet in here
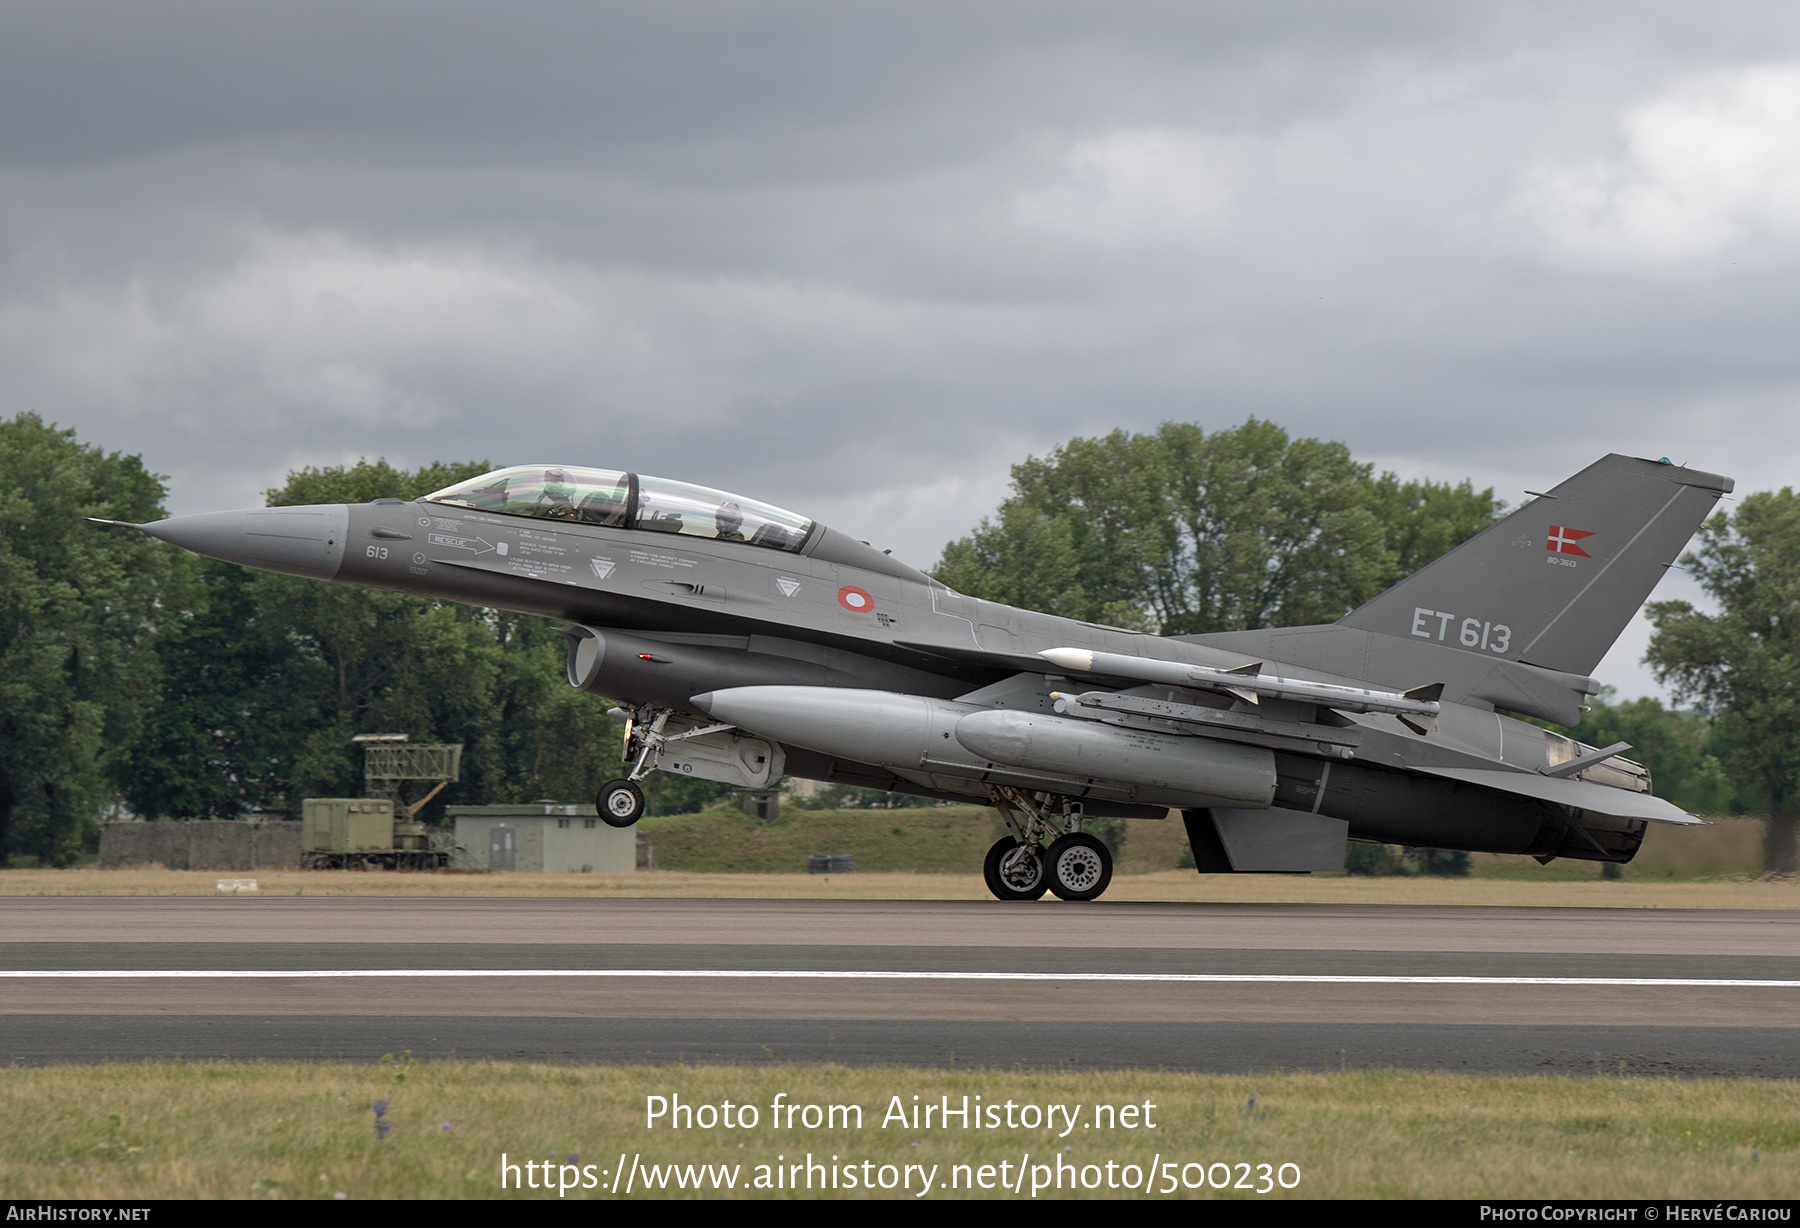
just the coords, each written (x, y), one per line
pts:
(558, 498)
(729, 518)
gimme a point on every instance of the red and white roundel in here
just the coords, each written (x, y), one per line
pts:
(856, 600)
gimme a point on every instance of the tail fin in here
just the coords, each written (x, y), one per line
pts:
(1554, 583)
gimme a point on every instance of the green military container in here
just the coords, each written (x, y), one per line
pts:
(336, 827)
(352, 833)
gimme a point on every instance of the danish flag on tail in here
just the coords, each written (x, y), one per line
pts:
(1562, 541)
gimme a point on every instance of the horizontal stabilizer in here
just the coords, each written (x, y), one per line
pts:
(1581, 794)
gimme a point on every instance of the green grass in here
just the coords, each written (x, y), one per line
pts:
(721, 840)
(307, 1131)
(947, 841)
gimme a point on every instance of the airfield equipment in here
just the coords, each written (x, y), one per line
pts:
(380, 830)
(354, 833)
(741, 642)
(391, 759)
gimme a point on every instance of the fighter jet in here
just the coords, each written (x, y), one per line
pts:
(744, 642)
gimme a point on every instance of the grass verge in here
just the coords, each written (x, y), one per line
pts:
(308, 1131)
(1169, 886)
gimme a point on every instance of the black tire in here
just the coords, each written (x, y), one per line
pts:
(621, 803)
(1078, 867)
(1004, 868)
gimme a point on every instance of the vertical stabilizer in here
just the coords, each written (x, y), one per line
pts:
(1554, 583)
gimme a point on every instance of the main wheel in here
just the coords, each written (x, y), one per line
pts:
(621, 803)
(1078, 867)
(1014, 871)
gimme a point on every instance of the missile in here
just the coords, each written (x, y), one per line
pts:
(1250, 683)
(917, 734)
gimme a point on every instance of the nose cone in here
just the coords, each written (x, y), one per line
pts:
(298, 541)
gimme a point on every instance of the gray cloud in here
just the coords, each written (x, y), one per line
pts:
(860, 260)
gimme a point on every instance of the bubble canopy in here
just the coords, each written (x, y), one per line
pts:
(628, 501)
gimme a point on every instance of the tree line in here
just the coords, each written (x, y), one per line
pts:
(137, 678)
(1181, 532)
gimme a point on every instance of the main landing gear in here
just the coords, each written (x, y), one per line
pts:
(1076, 866)
(1015, 871)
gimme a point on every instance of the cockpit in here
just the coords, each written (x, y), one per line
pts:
(628, 501)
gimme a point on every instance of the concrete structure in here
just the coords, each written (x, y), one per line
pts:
(203, 844)
(541, 837)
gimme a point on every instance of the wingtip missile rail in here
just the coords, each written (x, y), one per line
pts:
(1249, 682)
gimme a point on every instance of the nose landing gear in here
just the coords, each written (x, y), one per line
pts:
(621, 802)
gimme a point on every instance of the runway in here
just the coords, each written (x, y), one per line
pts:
(1180, 986)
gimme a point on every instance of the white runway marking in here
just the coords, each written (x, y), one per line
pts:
(1178, 978)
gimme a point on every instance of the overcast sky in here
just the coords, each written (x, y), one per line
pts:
(860, 259)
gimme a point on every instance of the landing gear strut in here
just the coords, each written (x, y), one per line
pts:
(1076, 866)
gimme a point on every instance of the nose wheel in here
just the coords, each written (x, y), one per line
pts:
(1077, 867)
(620, 803)
(1015, 871)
